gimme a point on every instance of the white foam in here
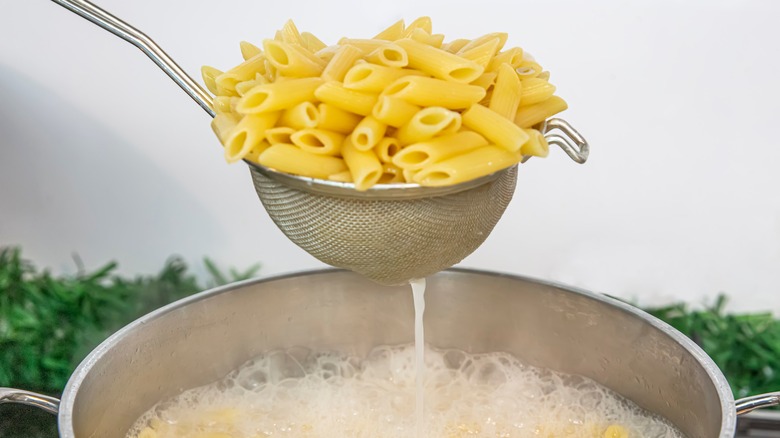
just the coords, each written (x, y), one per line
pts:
(301, 393)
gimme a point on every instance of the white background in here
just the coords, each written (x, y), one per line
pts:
(103, 155)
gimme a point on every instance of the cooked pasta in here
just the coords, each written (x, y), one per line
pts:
(405, 106)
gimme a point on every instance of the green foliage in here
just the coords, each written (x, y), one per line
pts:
(48, 323)
(745, 347)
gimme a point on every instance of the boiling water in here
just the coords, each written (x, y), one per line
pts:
(304, 393)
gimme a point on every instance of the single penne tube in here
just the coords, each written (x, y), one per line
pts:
(513, 57)
(245, 71)
(545, 75)
(256, 150)
(334, 93)
(428, 123)
(506, 95)
(292, 60)
(222, 104)
(409, 175)
(223, 124)
(528, 116)
(247, 134)
(439, 63)
(391, 33)
(536, 145)
(243, 87)
(364, 45)
(391, 55)
(483, 53)
(386, 149)
(391, 174)
(455, 45)
(486, 80)
(345, 177)
(301, 116)
(343, 60)
(327, 53)
(494, 127)
(393, 111)
(419, 155)
(536, 90)
(502, 37)
(527, 69)
(368, 133)
(288, 158)
(336, 119)
(279, 134)
(318, 141)
(374, 78)
(468, 166)
(290, 34)
(278, 95)
(311, 42)
(433, 40)
(425, 23)
(425, 91)
(249, 50)
(365, 166)
(209, 75)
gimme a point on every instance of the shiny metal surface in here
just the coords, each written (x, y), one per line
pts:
(748, 404)
(109, 22)
(11, 395)
(202, 338)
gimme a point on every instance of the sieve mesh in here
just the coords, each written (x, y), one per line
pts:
(390, 241)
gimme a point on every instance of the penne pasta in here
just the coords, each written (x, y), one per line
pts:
(292, 60)
(409, 174)
(386, 149)
(294, 160)
(345, 177)
(439, 63)
(336, 119)
(343, 60)
(486, 80)
(390, 55)
(311, 42)
(249, 50)
(247, 134)
(391, 174)
(243, 87)
(455, 45)
(536, 145)
(394, 111)
(278, 95)
(368, 133)
(470, 165)
(222, 104)
(513, 57)
(483, 53)
(502, 37)
(433, 40)
(301, 116)
(334, 93)
(506, 95)
(365, 46)
(425, 23)
(255, 151)
(536, 90)
(209, 75)
(374, 78)
(279, 134)
(428, 123)
(435, 92)
(223, 124)
(318, 141)
(495, 128)
(528, 116)
(393, 32)
(363, 165)
(528, 69)
(422, 154)
(290, 34)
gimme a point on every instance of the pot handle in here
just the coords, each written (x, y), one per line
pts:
(747, 404)
(48, 404)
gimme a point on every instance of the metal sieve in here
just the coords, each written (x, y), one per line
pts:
(390, 233)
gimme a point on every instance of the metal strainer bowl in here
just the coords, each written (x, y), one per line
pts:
(390, 233)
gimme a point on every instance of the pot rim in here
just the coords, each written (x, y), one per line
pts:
(728, 416)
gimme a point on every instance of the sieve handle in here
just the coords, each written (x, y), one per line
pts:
(104, 19)
(747, 404)
(571, 141)
(11, 395)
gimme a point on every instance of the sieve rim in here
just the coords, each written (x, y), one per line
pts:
(397, 191)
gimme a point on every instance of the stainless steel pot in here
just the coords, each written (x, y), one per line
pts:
(200, 339)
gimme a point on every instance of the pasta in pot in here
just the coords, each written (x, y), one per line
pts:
(402, 107)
